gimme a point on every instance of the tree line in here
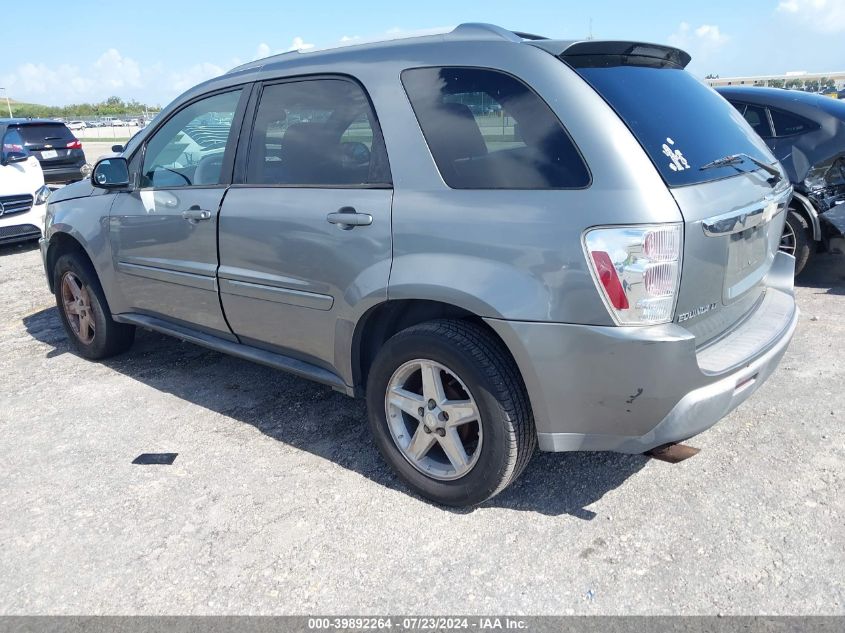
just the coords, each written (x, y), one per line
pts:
(112, 106)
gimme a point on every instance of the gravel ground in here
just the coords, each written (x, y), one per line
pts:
(278, 502)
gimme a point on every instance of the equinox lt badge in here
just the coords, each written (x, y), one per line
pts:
(686, 316)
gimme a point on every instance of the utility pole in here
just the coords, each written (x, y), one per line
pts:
(8, 103)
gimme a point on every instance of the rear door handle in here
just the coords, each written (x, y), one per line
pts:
(347, 218)
(195, 214)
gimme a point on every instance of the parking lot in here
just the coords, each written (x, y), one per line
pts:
(279, 503)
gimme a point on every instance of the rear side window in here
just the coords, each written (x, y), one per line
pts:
(45, 133)
(488, 130)
(787, 124)
(318, 132)
(757, 118)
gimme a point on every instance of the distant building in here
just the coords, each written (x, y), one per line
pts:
(795, 79)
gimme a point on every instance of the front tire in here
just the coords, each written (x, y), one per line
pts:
(797, 240)
(449, 412)
(84, 311)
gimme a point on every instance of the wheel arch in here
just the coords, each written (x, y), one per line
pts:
(802, 205)
(62, 243)
(387, 318)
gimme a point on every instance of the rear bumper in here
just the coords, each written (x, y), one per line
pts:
(62, 174)
(632, 389)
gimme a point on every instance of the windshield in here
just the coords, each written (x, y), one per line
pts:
(681, 123)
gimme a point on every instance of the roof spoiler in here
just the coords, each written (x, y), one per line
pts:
(580, 52)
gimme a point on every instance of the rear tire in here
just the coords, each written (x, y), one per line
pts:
(797, 240)
(84, 311)
(493, 423)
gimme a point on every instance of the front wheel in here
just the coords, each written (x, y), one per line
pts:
(797, 240)
(449, 412)
(84, 311)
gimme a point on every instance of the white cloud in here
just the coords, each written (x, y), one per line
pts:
(706, 36)
(298, 44)
(110, 74)
(710, 33)
(827, 16)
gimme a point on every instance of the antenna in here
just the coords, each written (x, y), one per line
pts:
(590, 35)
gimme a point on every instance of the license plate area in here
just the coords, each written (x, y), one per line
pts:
(47, 154)
(748, 261)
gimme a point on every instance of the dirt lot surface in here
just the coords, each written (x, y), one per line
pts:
(279, 503)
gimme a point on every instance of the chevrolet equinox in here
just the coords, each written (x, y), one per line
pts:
(500, 241)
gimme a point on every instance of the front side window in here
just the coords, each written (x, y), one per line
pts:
(319, 132)
(757, 118)
(488, 130)
(188, 149)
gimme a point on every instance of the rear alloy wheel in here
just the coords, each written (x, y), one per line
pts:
(433, 419)
(449, 412)
(796, 240)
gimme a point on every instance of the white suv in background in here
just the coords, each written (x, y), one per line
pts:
(22, 191)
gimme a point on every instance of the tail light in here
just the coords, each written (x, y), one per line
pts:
(75, 144)
(637, 270)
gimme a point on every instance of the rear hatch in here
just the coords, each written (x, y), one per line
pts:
(49, 143)
(733, 214)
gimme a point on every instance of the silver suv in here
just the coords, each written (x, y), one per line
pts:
(501, 241)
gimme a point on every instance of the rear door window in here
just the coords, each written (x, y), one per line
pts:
(317, 132)
(488, 130)
(787, 124)
(681, 123)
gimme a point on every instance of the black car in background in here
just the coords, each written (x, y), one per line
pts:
(54, 145)
(806, 132)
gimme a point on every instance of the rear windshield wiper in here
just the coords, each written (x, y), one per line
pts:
(735, 159)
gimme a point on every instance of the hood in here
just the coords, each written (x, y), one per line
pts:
(78, 189)
(25, 177)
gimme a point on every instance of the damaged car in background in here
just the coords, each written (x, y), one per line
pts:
(806, 133)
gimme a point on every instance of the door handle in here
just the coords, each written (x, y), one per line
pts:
(348, 218)
(195, 214)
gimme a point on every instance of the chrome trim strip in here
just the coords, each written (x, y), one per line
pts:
(746, 217)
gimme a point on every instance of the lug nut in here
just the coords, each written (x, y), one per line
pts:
(431, 404)
(441, 432)
(444, 416)
(421, 411)
(426, 429)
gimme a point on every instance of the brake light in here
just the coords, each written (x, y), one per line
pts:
(610, 280)
(637, 271)
(75, 144)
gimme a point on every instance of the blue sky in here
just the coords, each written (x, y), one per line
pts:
(154, 49)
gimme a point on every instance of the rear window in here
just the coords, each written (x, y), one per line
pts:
(787, 124)
(38, 133)
(488, 130)
(681, 123)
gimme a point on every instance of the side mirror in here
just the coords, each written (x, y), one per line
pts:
(117, 149)
(111, 173)
(13, 156)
